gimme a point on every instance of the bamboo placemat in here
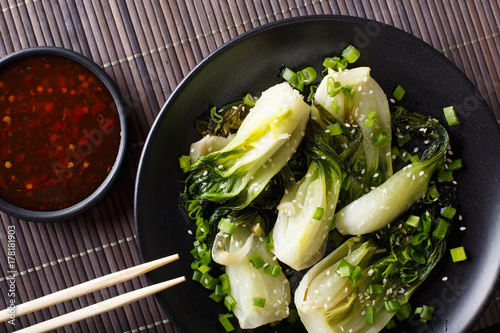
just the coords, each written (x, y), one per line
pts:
(148, 47)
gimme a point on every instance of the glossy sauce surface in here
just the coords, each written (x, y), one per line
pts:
(59, 132)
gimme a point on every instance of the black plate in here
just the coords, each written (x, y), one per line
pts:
(250, 63)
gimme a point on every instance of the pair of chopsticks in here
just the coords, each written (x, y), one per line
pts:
(88, 287)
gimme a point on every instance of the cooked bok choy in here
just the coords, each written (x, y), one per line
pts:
(306, 211)
(354, 98)
(266, 139)
(362, 284)
(386, 202)
(258, 285)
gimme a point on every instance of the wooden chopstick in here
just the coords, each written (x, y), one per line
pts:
(96, 284)
(98, 308)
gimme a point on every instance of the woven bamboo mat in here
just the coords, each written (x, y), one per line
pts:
(148, 47)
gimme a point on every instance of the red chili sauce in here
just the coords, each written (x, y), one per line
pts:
(59, 132)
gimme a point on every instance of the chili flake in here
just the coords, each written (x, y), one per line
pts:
(59, 134)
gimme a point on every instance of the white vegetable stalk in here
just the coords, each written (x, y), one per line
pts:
(299, 238)
(265, 141)
(329, 303)
(383, 204)
(248, 282)
(369, 96)
(268, 126)
(208, 144)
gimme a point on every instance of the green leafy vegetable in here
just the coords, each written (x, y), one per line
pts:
(252, 285)
(300, 233)
(328, 301)
(265, 141)
(386, 202)
(366, 120)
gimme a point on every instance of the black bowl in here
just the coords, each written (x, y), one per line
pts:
(100, 190)
(250, 64)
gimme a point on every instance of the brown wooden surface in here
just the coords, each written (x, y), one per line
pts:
(148, 47)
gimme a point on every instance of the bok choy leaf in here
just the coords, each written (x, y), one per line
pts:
(264, 142)
(307, 209)
(355, 99)
(386, 202)
(380, 271)
(259, 287)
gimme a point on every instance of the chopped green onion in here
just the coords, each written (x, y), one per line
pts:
(419, 238)
(395, 151)
(413, 221)
(227, 226)
(425, 312)
(405, 312)
(204, 269)
(408, 278)
(219, 291)
(388, 271)
(392, 306)
(448, 212)
(333, 87)
(334, 129)
(417, 256)
(208, 281)
(372, 119)
(259, 301)
(257, 261)
(348, 91)
(318, 213)
(224, 320)
(312, 91)
(309, 75)
(426, 222)
(197, 276)
(226, 286)
(351, 54)
(445, 176)
(403, 139)
(215, 297)
(355, 275)
(455, 165)
(289, 75)
(381, 137)
(414, 159)
(301, 78)
(458, 254)
(404, 155)
(375, 289)
(249, 100)
(272, 269)
(398, 92)
(269, 242)
(203, 229)
(344, 268)
(185, 163)
(217, 118)
(370, 314)
(451, 115)
(229, 302)
(335, 63)
(433, 192)
(441, 229)
(395, 114)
